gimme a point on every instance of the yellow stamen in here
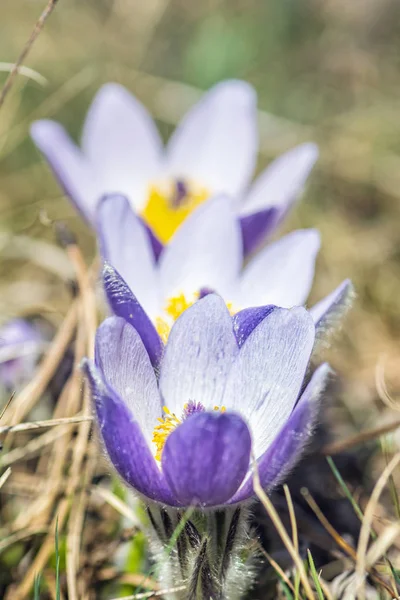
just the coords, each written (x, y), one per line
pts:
(163, 216)
(174, 308)
(162, 431)
(168, 424)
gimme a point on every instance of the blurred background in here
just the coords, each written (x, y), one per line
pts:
(324, 71)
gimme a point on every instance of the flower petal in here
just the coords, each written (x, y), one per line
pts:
(216, 143)
(199, 353)
(282, 273)
(330, 309)
(122, 143)
(206, 251)
(124, 304)
(156, 245)
(256, 227)
(125, 444)
(206, 458)
(289, 445)
(69, 165)
(281, 183)
(268, 373)
(125, 244)
(246, 320)
(125, 365)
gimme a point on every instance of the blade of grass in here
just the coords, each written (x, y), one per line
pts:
(344, 487)
(57, 564)
(315, 577)
(36, 587)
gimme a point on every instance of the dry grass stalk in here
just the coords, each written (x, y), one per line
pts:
(380, 546)
(35, 33)
(20, 536)
(153, 594)
(273, 515)
(5, 476)
(361, 561)
(49, 423)
(359, 439)
(116, 503)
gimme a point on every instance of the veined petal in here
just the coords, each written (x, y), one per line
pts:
(247, 319)
(257, 226)
(216, 143)
(125, 365)
(289, 445)
(125, 244)
(281, 183)
(69, 165)
(198, 356)
(206, 458)
(124, 441)
(206, 251)
(267, 375)
(124, 304)
(122, 143)
(282, 273)
(329, 311)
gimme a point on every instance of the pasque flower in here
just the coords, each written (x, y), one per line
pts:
(205, 254)
(20, 347)
(213, 150)
(230, 387)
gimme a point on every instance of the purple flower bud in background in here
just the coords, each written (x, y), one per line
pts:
(20, 347)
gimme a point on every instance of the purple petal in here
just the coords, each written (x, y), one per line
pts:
(20, 346)
(72, 169)
(246, 320)
(289, 445)
(124, 441)
(124, 304)
(257, 226)
(328, 313)
(216, 143)
(198, 356)
(156, 244)
(122, 143)
(124, 244)
(266, 377)
(206, 458)
(125, 366)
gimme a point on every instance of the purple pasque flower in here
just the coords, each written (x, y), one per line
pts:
(213, 150)
(229, 387)
(205, 254)
(20, 347)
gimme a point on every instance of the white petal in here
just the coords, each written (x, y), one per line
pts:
(216, 143)
(206, 251)
(122, 143)
(199, 353)
(69, 165)
(266, 378)
(282, 274)
(282, 182)
(125, 364)
(126, 246)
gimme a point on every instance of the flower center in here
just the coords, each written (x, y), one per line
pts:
(170, 422)
(176, 306)
(168, 207)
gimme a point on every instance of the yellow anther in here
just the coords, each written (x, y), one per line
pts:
(163, 216)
